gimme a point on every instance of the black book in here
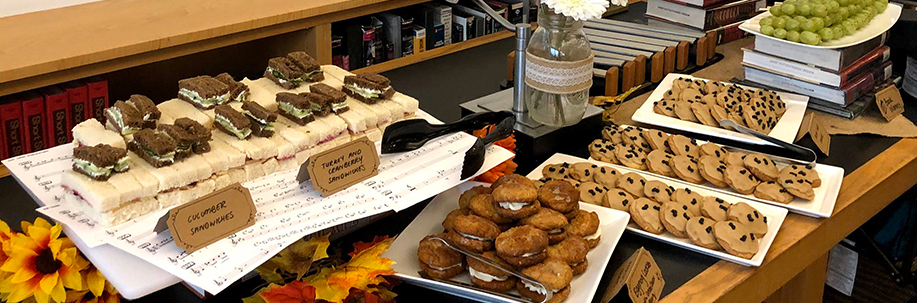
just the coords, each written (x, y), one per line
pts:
(407, 35)
(353, 41)
(423, 16)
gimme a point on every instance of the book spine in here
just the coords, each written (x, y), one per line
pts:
(731, 13)
(57, 107)
(689, 16)
(353, 45)
(368, 45)
(79, 103)
(378, 45)
(730, 33)
(787, 67)
(439, 36)
(97, 93)
(866, 82)
(420, 39)
(33, 116)
(407, 36)
(865, 63)
(831, 59)
(795, 85)
(458, 31)
(444, 14)
(338, 53)
(13, 132)
(470, 31)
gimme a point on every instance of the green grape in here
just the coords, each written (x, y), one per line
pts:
(820, 11)
(801, 19)
(826, 34)
(819, 23)
(788, 9)
(792, 25)
(780, 33)
(779, 23)
(767, 30)
(804, 9)
(870, 11)
(809, 38)
(829, 20)
(833, 6)
(880, 7)
(849, 27)
(790, 2)
(843, 12)
(861, 21)
(838, 31)
(769, 20)
(792, 36)
(808, 25)
(775, 10)
(801, 2)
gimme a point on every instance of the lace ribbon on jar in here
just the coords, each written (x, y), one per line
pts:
(558, 77)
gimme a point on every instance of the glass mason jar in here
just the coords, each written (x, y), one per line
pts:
(558, 70)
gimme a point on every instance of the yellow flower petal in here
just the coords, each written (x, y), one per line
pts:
(76, 295)
(96, 282)
(71, 278)
(41, 222)
(16, 263)
(22, 291)
(41, 297)
(49, 281)
(55, 247)
(58, 294)
(41, 235)
(24, 273)
(55, 231)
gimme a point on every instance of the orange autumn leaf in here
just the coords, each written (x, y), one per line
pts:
(361, 246)
(365, 268)
(293, 292)
(507, 167)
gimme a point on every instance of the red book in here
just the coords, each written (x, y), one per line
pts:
(98, 97)
(57, 108)
(33, 114)
(79, 103)
(12, 130)
(865, 64)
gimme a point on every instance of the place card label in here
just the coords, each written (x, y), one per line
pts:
(340, 167)
(640, 276)
(816, 130)
(212, 217)
(889, 101)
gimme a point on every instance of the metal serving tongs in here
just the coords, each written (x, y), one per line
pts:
(408, 135)
(806, 155)
(548, 292)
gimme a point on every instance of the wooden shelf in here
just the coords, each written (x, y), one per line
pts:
(95, 38)
(436, 52)
(4, 171)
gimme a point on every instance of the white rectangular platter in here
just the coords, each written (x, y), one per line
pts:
(429, 222)
(775, 215)
(785, 130)
(822, 206)
(879, 24)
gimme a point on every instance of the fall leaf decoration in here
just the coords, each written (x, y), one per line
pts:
(508, 166)
(296, 259)
(359, 280)
(365, 268)
(361, 246)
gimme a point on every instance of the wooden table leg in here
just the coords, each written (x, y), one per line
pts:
(807, 287)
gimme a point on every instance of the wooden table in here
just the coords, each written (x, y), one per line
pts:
(794, 267)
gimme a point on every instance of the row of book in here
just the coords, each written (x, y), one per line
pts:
(374, 39)
(834, 79)
(35, 120)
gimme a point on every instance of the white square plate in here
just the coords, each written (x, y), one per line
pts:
(775, 215)
(785, 130)
(822, 206)
(404, 250)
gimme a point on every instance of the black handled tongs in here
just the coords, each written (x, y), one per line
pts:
(408, 135)
(801, 154)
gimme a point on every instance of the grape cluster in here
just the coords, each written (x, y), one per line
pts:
(814, 21)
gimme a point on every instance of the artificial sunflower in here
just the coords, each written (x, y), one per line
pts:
(96, 289)
(42, 264)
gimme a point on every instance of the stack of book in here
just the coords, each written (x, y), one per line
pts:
(35, 120)
(832, 78)
(719, 16)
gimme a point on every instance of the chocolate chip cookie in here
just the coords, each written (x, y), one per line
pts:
(674, 216)
(606, 176)
(658, 191)
(645, 213)
(617, 199)
(700, 231)
(632, 183)
(736, 239)
(655, 138)
(686, 169)
(740, 179)
(762, 167)
(749, 216)
(772, 191)
(711, 169)
(714, 208)
(592, 193)
(681, 145)
(660, 162)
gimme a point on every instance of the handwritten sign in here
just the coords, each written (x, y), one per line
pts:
(642, 278)
(816, 130)
(212, 217)
(342, 166)
(889, 101)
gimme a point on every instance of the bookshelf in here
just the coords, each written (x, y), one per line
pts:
(434, 53)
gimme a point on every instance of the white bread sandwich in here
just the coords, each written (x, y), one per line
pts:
(234, 157)
(100, 195)
(178, 108)
(92, 133)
